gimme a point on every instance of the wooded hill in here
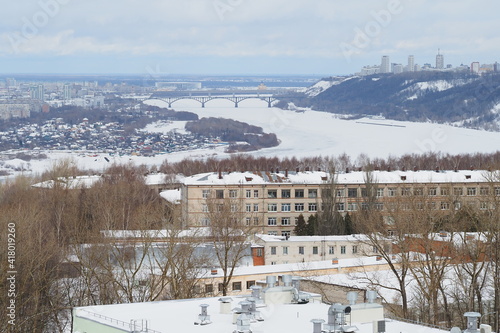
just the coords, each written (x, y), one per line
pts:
(445, 97)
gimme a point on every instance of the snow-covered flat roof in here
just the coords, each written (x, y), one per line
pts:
(180, 315)
(173, 196)
(345, 238)
(303, 266)
(77, 182)
(355, 177)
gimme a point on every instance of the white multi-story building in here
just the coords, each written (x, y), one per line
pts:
(474, 67)
(411, 63)
(273, 201)
(439, 61)
(385, 66)
(67, 95)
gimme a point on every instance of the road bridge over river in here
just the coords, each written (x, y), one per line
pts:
(203, 96)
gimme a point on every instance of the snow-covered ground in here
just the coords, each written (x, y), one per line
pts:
(312, 133)
(304, 133)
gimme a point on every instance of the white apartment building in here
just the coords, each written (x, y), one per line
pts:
(277, 250)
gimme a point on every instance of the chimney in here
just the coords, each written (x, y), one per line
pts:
(277, 170)
(286, 173)
(415, 169)
(437, 169)
(297, 170)
(307, 168)
(319, 169)
(388, 169)
(346, 170)
(456, 169)
(220, 174)
(471, 168)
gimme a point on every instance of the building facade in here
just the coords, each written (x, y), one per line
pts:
(273, 201)
(275, 250)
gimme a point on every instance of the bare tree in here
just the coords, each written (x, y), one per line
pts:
(228, 232)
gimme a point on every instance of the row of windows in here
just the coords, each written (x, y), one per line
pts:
(235, 286)
(287, 207)
(351, 206)
(314, 249)
(364, 192)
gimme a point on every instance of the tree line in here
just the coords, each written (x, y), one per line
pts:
(341, 163)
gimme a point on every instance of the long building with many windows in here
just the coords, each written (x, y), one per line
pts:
(273, 201)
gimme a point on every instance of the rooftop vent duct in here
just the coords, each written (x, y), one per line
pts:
(243, 323)
(336, 319)
(296, 282)
(287, 280)
(245, 306)
(271, 281)
(256, 291)
(352, 297)
(483, 328)
(317, 323)
(203, 317)
(472, 322)
(254, 314)
(225, 305)
(371, 296)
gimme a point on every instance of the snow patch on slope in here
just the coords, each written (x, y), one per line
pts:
(420, 88)
(323, 85)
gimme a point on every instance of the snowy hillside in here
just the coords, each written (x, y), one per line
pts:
(462, 99)
(323, 85)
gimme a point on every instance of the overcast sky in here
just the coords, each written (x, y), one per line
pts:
(241, 36)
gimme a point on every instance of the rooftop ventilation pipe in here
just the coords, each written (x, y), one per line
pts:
(317, 323)
(203, 317)
(472, 322)
(296, 282)
(287, 280)
(371, 296)
(225, 305)
(336, 317)
(271, 281)
(256, 291)
(352, 297)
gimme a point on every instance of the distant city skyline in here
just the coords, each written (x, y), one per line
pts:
(239, 37)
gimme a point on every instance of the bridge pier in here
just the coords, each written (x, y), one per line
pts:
(235, 104)
(202, 104)
(269, 104)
